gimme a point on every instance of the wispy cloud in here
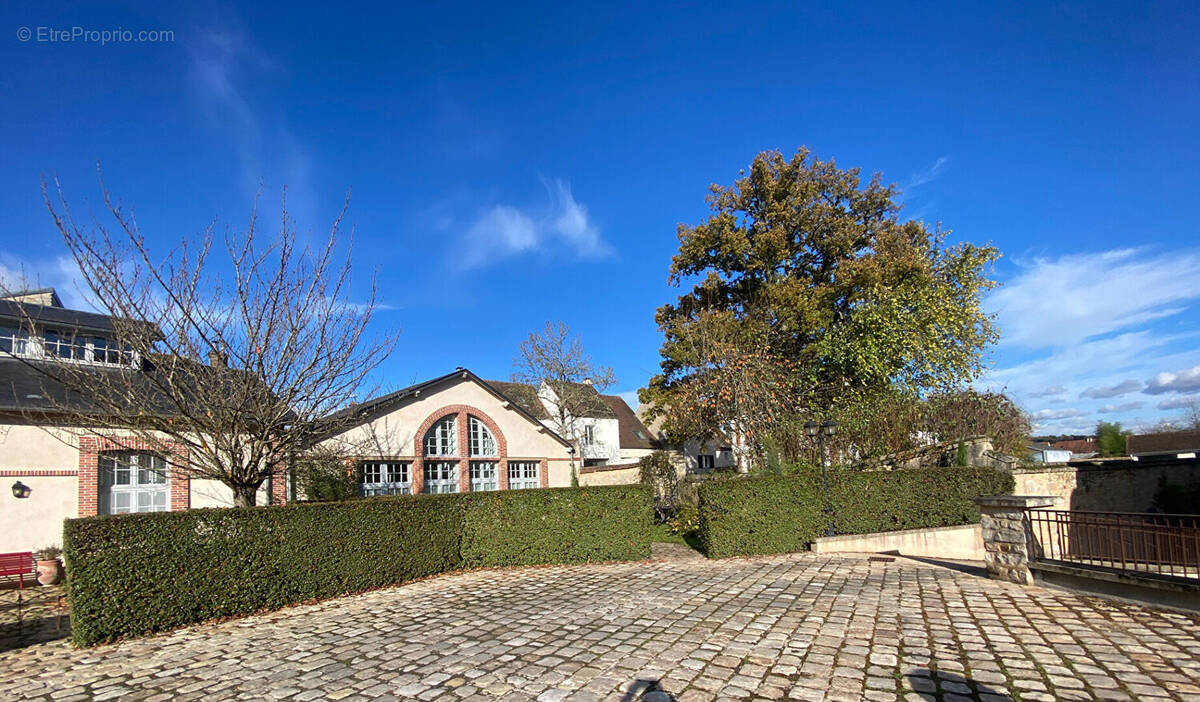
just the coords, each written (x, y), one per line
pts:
(60, 273)
(929, 174)
(1092, 325)
(227, 75)
(1104, 392)
(1058, 302)
(503, 231)
(1181, 381)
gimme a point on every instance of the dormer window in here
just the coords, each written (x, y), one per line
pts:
(61, 344)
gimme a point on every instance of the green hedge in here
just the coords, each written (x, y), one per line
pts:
(134, 574)
(780, 514)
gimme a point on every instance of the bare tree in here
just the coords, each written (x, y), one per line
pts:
(556, 359)
(285, 346)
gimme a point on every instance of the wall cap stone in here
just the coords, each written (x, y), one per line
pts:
(1017, 501)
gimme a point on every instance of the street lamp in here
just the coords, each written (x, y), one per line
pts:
(821, 432)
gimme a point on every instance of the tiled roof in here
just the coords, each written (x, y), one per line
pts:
(523, 395)
(633, 434)
(582, 399)
(1163, 442)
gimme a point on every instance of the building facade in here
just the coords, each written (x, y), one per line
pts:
(51, 468)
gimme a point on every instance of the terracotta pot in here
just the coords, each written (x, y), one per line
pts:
(50, 572)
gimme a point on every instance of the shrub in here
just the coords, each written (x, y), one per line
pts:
(138, 573)
(779, 514)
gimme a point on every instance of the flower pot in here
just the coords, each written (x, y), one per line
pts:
(50, 572)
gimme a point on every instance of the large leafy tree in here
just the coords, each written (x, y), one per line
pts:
(804, 269)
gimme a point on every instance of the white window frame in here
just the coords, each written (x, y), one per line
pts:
(481, 440)
(440, 477)
(144, 489)
(705, 461)
(442, 437)
(485, 476)
(52, 343)
(524, 475)
(589, 435)
(385, 478)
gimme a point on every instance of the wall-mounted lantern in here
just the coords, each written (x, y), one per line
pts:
(21, 490)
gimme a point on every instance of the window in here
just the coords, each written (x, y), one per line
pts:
(132, 482)
(108, 351)
(442, 437)
(13, 340)
(440, 476)
(483, 476)
(704, 461)
(385, 478)
(589, 435)
(61, 344)
(522, 475)
(482, 441)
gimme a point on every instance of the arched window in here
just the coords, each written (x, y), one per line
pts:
(482, 442)
(442, 437)
(132, 482)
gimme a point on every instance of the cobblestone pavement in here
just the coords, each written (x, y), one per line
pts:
(32, 615)
(803, 626)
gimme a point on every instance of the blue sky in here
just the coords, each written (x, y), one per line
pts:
(512, 164)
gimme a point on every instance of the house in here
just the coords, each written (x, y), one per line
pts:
(1043, 452)
(696, 456)
(461, 433)
(1179, 444)
(53, 469)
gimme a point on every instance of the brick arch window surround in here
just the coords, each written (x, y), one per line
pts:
(96, 453)
(473, 429)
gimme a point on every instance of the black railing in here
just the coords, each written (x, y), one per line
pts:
(1163, 544)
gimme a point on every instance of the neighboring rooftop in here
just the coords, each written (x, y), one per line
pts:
(633, 434)
(1163, 442)
(44, 308)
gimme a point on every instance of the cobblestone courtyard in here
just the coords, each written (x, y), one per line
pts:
(802, 626)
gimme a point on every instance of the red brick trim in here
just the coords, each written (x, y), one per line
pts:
(461, 413)
(90, 448)
(36, 473)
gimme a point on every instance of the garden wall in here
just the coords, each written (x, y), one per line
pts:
(134, 574)
(780, 514)
(1167, 484)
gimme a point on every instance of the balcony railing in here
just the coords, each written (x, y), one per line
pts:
(1162, 544)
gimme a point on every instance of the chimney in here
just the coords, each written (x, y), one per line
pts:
(216, 359)
(587, 381)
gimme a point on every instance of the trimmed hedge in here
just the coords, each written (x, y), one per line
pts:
(780, 514)
(134, 574)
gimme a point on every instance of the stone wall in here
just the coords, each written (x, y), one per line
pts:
(1109, 484)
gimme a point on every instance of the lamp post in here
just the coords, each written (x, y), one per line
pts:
(822, 432)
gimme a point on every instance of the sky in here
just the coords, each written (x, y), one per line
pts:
(510, 164)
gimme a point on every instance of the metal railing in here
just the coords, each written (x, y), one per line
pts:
(1162, 544)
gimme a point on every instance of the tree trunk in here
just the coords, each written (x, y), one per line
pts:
(244, 495)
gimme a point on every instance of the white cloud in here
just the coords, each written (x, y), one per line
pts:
(498, 233)
(60, 273)
(1181, 402)
(504, 231)
(1102, 393)
(572, 223)
(930, 173)
(1053, 391)
(1049, 414)
(1123, 407)
(1064, 301)
(1182, 381)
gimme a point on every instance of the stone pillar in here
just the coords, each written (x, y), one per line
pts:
(1007, 537)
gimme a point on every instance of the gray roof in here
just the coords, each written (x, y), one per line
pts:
(365, 411)
(15, 313)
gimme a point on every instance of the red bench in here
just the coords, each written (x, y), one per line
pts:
(19, 564)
